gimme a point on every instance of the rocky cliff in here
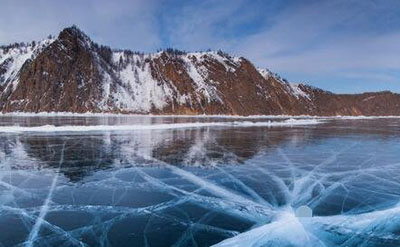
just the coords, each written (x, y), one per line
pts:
(71, 73)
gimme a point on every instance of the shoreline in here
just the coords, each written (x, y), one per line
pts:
(91, 114)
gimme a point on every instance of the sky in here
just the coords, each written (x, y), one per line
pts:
(345, 46)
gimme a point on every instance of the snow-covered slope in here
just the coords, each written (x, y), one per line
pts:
(144, 86)
(13, 57)
(294, 89)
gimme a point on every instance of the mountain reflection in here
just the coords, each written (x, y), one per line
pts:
(206, 147)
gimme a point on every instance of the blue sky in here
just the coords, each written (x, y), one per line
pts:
(344, 46)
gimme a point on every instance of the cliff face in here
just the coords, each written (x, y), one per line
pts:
(73, 74)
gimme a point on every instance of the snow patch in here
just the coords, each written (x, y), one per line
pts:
(297, 91)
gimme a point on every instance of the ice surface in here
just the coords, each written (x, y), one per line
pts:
(214, 185)
(83, 128)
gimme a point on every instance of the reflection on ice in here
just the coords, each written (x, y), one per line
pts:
(202, 187)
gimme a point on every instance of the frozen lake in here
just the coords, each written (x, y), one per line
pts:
(167, 181)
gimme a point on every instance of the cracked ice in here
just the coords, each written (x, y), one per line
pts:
(203, 186)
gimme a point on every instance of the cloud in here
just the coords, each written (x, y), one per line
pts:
(322, 36)
(121, 24)
(331, 39)
(350, 53)
(196, 26)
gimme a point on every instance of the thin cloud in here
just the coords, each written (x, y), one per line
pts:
(122, 24)
(328, 37)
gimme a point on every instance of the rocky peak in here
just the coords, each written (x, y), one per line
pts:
(74, 38)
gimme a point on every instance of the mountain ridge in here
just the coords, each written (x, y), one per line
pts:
(71, 73)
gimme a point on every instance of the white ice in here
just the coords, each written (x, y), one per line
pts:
(85, 128)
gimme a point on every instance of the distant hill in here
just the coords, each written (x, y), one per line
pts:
(71, 73)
